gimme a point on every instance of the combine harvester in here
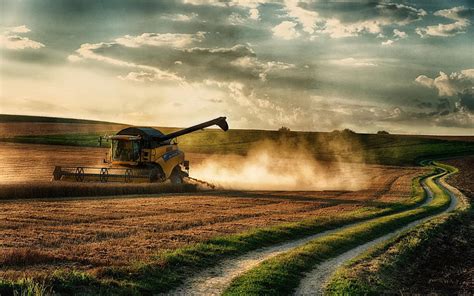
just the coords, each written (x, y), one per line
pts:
(140, 154)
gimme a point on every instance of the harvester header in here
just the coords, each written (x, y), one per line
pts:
(140, 154)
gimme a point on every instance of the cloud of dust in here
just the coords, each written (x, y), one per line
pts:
(281, 165)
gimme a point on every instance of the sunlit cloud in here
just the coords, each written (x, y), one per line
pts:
(261, 63)
(254, 14)
(286, 30)
(19, 29)
(179, 17)
(383, 15)
(388, 42)
(458, 14)
(10, 40)
(157, 39)
(399, 34)
(449, 85)
(243, 3)
(306, 18)
(354, 62)
(87, 51)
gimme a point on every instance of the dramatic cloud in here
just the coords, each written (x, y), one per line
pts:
(286, 30)
(178, 17)
(19, 29)
(156, 39)
(88, 51)
(239, 64)
(306, 18)
(261, 63)
(142, 76)
(397, 34)
(466, 100)
(449, 85)
(458, 14)
(262, 68)
(354, 62)
(10, 40)
(347, 23)
(91, 51)
(458, 110)
(227, 3)
(388, 43)
(235, 69)
(254, 14)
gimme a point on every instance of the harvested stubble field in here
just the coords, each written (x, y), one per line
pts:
(39, 236)
(35, 163)
(464, 181)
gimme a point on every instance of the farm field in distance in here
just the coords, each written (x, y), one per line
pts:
(326, 146)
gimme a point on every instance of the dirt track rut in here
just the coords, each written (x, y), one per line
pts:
(215, 280)
(314, 281)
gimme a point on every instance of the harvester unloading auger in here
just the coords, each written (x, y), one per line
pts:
(140, 154)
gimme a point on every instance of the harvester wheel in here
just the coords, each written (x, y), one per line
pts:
(176, 176)
(104, 175)
(79, 175)
(153, 176)
(128, 176)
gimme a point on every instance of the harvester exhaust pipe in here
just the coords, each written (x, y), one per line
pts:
(220, 122)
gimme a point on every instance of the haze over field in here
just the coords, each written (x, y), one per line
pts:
(277, 165)
(406, 67)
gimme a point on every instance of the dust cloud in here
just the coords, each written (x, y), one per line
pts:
(277, 165)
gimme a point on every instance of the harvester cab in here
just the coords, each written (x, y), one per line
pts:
(140, 154)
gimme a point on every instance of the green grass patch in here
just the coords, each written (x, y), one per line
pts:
(24, 287)
(82, 140)
(281, 274)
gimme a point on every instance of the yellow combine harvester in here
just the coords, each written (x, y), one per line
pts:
(139, 154)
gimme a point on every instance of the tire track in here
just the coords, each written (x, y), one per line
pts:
(215, 280)
(314, 281)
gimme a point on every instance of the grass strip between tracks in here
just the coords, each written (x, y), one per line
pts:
(392, 263)
(281, 274)
(169, 269)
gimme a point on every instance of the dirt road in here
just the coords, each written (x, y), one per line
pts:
(215, 280)
(314, 281)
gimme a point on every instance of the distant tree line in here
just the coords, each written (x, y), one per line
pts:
(344, 132)
(284, 129)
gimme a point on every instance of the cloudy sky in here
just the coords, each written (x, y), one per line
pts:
(406, 67)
